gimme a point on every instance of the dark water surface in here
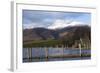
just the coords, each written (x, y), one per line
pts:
(55, 54)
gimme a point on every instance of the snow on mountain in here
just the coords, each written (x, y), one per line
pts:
(58, 24)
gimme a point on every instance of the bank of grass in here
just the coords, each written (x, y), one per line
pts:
(47, 43)
(43, 43)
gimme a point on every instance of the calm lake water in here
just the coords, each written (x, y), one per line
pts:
(55, 54)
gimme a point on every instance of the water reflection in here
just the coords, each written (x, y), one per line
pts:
(55, 54)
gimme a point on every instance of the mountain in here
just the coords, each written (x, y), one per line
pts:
(75, 31)
(71, 33)
(39, 34)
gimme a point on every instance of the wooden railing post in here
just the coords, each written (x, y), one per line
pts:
(27, 53)
(62, 51)
(46, 53)
(80, 49)
(30, 54)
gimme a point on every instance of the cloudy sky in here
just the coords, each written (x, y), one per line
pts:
(53, 20)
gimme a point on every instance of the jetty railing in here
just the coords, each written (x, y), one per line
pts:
(57, 52)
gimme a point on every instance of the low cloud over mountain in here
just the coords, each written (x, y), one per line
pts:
(58, 24)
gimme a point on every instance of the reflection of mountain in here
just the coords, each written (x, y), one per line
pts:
(76, 32)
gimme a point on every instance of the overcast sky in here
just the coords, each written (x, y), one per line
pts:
(52, 20)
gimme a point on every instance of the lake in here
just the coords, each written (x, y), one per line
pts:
(55, 54)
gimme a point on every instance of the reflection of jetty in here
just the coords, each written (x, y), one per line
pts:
(50, 52)
(79, 49)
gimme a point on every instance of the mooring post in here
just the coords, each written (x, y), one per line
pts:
(27, 54)
(28, 57)
(63, 51)
(80, 49)
(30, 54)
(46, 53)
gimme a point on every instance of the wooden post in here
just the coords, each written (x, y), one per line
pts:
(80, 49)
(63, 51)
(40, 51)
(46, 53)
(30, 54)
(27, 53)
(28, 57)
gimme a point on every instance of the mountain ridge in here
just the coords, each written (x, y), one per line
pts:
(36, 34)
